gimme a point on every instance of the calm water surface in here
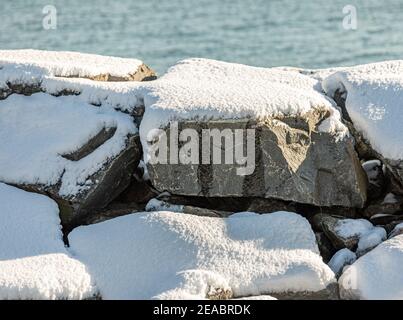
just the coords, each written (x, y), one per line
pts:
(256, 32)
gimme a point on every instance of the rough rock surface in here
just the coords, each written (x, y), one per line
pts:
(325, 246)
(294, 162)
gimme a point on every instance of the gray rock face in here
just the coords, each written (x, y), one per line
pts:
(325, 246)
(331, 292)
(293, 162)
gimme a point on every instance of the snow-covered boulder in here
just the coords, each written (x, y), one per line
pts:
(341, 259)
(62, 133)
(70, 73)
(34, 263)
(353, 234)
(371, 96)
(82, 155)
(25, 70)
(377, 275)
(174, 255)
(300, 150)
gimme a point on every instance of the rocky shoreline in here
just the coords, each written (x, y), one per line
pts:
(325, 195)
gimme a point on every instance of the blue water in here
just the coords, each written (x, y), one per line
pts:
(256, 32)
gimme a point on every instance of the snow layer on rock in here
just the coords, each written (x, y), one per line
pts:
(39, 129)
(371, 239)
(373, 169)
(374, 98)
(348, 228)
(377, 275)
(158, 205)
(125, 96)
(53, 72)
(390, 198)
(146, 255)
(34, 263)
(341, 259)
(67, 64)
(201, 89)
(317, 74)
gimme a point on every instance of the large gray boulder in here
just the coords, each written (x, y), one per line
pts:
(294, 162)
(302, 151)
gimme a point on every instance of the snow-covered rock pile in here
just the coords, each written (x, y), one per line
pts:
(74, 127)
(66, 136)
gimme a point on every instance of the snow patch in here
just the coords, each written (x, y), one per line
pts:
(377, 275)
(158, 205)
(348, 228)
(371, 239)
(341, 259)
(40, 129)
(66, 63)
(34, 264)
(390, 198)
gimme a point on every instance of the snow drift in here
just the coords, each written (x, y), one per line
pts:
(34, 264)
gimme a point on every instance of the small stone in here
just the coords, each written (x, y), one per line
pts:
(340, 260)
